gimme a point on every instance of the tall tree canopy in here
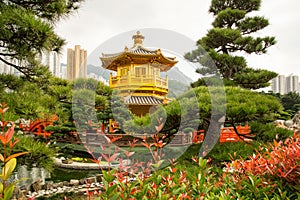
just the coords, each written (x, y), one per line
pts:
(232, 34)
(27, 29)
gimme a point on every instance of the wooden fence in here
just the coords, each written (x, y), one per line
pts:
(227, 134)
(97, 139)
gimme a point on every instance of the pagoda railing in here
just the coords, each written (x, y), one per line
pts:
(138, 81)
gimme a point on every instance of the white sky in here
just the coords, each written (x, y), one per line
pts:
(98, 21)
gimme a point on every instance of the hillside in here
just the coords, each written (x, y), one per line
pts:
(176, 74)
(100, 71)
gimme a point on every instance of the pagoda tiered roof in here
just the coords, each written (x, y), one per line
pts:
(142, 100)
(138, 55)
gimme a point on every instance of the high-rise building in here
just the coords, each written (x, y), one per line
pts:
(278, 84)
(8, 69)
(52, 61)
(292, 83)
(284, 85)
(76, 63)
(47, 58)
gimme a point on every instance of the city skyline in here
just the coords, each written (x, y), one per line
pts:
(192, 20)
(284, 84)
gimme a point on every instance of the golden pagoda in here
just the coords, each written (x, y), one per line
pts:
(138, 75)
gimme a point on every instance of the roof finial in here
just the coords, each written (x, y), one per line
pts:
(138, 39)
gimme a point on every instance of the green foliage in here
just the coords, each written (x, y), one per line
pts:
(241, 105)
(10, 82)
(268, 132)
(231, 34)
(27, 29)
(93, 101)
(291, 102)
(202, 183)
(224, 152)
(194, 109)
(270, 174)
(247, 6)
(120, 112)
(181, 114)
(212, 81)
(254, 78)
(36, 99)
(39, 154)
(244, 105)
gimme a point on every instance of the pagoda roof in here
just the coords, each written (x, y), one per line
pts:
(139, 55)
(142, 100)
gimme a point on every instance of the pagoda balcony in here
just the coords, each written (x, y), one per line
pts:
(140, 83)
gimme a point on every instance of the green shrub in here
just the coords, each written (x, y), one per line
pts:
(267, 132)
(226, 151)
(39, 154)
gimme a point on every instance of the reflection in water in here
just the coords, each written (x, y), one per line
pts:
(29, 175)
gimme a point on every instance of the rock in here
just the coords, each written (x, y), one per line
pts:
(74, 182)
(65, 183)
(36, 186)
(60, 184)
(48, 185)
(82, 181)
(92, 179)
(99, 178)
(17, 192)
(67, 161)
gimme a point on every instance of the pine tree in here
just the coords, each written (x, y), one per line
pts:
(27, 29)
(233, 33)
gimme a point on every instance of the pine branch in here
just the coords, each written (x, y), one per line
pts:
(242, 136)
(7, 54)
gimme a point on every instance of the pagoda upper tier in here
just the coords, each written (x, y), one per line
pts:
(138, 54)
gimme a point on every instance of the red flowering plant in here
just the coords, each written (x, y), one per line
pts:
(7, 158)
(278, 163)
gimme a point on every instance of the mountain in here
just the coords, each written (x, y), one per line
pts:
(100, 71)
(176, 88)
(177, 75)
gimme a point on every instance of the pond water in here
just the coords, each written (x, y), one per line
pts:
(29, 175)
(61, 174)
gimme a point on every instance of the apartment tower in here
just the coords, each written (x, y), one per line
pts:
(76, 63)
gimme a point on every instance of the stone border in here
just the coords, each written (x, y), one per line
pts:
(37, 189)
(80, 165)
(86, 166)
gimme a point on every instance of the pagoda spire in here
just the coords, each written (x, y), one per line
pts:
(138, 39)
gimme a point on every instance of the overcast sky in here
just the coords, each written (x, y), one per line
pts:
(97, 22)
